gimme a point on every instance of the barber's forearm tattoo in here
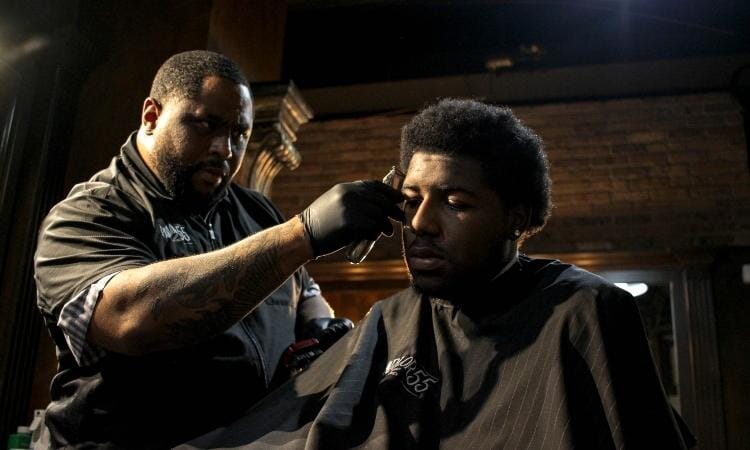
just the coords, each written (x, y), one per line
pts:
(214, 302)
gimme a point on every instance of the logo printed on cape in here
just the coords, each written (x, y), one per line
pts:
(174, 232)
(414, 378)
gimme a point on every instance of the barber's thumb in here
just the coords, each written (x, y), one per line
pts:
(387, 229)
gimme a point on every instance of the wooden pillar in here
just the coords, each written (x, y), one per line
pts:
(708, 416)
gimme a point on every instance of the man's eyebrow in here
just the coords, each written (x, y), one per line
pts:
(444, 188)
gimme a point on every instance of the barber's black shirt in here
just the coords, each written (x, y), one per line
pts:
(123, 218)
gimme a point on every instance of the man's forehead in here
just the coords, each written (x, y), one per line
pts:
(220, 96)
(444, 170)
(215, 88)
(207, 110)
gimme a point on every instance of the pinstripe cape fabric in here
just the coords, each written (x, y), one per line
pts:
(562, 363)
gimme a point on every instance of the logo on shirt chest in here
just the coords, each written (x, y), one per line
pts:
(414, 378)
(174, 232)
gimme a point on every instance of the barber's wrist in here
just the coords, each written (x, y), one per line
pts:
(300, 231)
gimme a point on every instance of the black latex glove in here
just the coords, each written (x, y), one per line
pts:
(315, 337)
(350, 212)
(315, 328)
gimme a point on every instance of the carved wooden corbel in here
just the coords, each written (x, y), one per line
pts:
(279, 112)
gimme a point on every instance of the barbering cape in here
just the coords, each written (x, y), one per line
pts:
(556, 358)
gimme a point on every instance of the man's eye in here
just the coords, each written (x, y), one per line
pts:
(457, 206)
(411, 203)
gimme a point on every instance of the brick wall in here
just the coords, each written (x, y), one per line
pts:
(628, 174)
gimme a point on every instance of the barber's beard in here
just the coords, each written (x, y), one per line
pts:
(177, 178)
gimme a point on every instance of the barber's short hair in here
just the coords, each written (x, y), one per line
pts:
(181, 76)
(511, 154)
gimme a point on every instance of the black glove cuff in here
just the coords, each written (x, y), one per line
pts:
(305, 219)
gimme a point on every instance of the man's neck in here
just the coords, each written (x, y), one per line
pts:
(507, 266)
(144, 145)
(478, 292)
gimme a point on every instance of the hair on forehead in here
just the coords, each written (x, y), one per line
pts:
(511, 155)
(181, 76)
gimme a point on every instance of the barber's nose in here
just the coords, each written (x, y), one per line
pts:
(222, 146)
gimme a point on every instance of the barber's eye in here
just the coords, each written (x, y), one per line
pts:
(202, 125)
(241, 134)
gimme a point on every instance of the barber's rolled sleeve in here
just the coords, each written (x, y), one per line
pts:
(312, 304)
(74, 321)
(95, 232)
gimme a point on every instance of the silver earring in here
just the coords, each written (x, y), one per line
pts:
(516, 234)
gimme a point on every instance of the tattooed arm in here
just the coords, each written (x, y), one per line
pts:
(176, 302)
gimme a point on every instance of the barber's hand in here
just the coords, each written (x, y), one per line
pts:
(324, 328)
(315, 337)
(350, 212)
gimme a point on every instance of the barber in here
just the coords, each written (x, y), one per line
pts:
(171, 292)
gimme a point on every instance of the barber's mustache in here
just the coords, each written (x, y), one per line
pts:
(211, 164)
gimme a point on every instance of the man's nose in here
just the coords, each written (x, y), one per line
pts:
(424, 221)
(222, 146)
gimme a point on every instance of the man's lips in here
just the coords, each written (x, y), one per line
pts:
(421, 251)
(424, 258)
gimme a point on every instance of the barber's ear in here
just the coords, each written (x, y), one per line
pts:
(150, 115)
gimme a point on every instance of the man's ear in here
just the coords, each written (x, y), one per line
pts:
(519, 218)
(150, 115)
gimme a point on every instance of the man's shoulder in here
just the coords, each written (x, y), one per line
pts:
(397, 304)
(101, 199)
(571, 288)
(99, 194)
(550, 272)
(111, 182)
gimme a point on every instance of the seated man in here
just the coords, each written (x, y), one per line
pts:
(488, 348)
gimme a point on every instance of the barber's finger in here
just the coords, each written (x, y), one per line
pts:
(384, 215)
(392, 195)
(386, 205)
(397, 214)
(387, 228)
